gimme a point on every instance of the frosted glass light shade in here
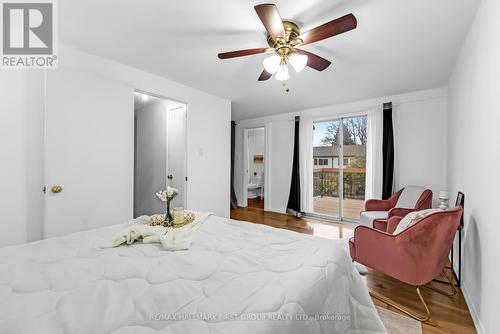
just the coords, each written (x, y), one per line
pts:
(282, 73)
(298, 61)
(271, 63)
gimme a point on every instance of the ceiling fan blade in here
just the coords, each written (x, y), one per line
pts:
(330, 29)
(315, 61)
(271, 19)
(265, 75)
(241, 53)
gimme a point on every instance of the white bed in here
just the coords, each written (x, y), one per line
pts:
(237, 277)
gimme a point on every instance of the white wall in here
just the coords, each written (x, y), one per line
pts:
(150, 157)
(420, 141)
(208, 127)
(256, 141)
(420, 130)
(21, 138)
(21, 158)
(474, 160)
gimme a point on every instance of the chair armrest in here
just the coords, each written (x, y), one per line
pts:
(392, 223)
(399, 212)
(382, 205)
(377, 205)
(369, 242)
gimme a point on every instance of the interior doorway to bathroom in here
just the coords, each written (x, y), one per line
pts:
(255, 142)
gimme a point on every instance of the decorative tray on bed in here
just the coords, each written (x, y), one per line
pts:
(159, 219)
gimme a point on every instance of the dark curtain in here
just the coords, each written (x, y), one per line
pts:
(387, 152)
(293, 205)
(234, 201)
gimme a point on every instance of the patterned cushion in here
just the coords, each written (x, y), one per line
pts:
(412, 218)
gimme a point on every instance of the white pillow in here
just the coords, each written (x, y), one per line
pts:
(412, 218)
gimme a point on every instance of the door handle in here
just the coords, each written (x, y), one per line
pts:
(56, 189)
(170, 177)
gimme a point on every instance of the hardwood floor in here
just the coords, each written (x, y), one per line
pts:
(449, 314)
(330, 206)
(257, 203)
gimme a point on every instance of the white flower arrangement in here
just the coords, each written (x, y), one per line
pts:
(167, 195)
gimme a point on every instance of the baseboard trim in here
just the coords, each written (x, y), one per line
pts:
(275, 210)
(472, 310)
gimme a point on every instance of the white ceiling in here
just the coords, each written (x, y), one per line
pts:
(399, 46)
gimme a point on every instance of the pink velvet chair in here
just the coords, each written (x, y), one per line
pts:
(415, 256)
(379, 211)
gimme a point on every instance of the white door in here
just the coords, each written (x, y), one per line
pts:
(88, 152)
(176, 152)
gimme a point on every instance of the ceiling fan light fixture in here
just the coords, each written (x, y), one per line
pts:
(298, 61)
(284, 37)
(282, 73)
(271, 63)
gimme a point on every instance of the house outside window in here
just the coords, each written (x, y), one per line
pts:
(346, 161)
(323, 162)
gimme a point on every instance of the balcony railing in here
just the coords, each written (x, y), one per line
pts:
(326, 182)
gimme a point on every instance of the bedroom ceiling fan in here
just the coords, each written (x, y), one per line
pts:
(284, 39)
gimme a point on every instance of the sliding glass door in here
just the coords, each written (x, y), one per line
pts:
(339, 167)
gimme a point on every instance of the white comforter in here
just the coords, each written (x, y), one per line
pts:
(237, 277)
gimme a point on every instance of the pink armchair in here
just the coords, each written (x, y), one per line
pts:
(415, 256)
(377, 212)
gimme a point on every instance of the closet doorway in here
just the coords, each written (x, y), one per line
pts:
(159, 151)
(254, 167)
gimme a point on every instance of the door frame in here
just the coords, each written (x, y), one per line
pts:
(244, 198)
(340, 218)
(186, 106)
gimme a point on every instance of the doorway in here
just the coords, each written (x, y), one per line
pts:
(255, 144)
(339, 167)
(159, 151)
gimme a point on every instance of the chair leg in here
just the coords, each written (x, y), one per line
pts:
(422, 318)
(447, 282)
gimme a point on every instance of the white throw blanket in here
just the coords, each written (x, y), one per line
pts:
(171, 239)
